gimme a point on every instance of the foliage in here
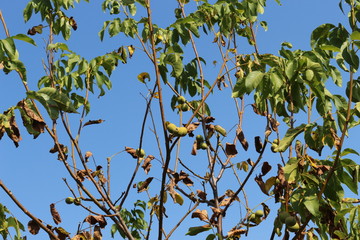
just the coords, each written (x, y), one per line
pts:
(289, 92)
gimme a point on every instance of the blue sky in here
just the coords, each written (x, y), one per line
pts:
(35, 176)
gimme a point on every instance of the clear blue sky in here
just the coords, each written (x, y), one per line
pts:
(35, 176)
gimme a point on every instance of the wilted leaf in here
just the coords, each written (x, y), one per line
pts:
(35, 29)
(273, 123)
(250, 162)
(97, 233)
(235, 233)
(131, 151)
(266, 167)
(55, 214)
(94, 219)
(240, 135)
(243, 166)
(193, 231)
(82, 174)
(201, 214)
(230, 150)
(201, 194)
(91, 122)
(225, 202)
(194, 148)
(209, 119)
(184, 177)
(230, 193)
(31, 120)
(144, 185)
(261, 184)
(258, 144)
(143, 76)
(73, 23)
(147, 163)
(191, 127)
(87, 155)
(281, 174)
(33, 227)
(62, 233)
(131, 50)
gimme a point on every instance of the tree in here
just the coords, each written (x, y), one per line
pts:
(290, 95)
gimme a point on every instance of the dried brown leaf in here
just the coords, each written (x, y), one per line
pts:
(201, 194)
(144, 185)
(251, 163)
(273, 123)
(82, 174)
(235, 233)
(193, 149)
(14, 133)
(62, 233)
(91, 122)
(209, 119)
(184, 177)
(94, 219)
(200, 214)
(260, 182)
(191, 127)
(266, 167)
(230, 193)
(87, 155)
(131, 151)
(33, 227)
(55, 214)
(225, 202)
(240, 135)
(230, 150)
(258, 144)
(147, 163)
(97, 233)
(281, 175)
(257, 111)
(73, 23)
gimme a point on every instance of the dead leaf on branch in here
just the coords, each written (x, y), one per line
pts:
(82, 174)
(194, 148)
(235, 233)
(73, 23)
(97, 233)
(201, 214)
(258, 144)
(230, 193)
(209, 119)
(94, 219)
(55, 214)
(266, 167)
(147, 163)
(143, 186)
(33, 227)
(191, 127)
(87, 155)
(201, 194)
(131, 151)
(281, 174)
(62, 233)
(230, 150)
(225, 202)
(250, 162)
(31, 118)
(91, 122)
(240, 135)
(14, 132)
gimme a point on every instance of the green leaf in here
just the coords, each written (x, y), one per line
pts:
(58, 46)
(252, 80)
(289, 137)
(351, 58)
(291, 170)
(193, 231)
(143, 76)
(355, 35)
(175, 61)
(312, 204)
(24, 38)
(349, 151)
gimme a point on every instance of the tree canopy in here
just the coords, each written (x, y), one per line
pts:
(211, 135)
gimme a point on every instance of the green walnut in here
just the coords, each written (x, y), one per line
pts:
(290, 221)
(172, 128)
(203, 145)
(140, 152)
(259, 213)
(69, 200)
(199, 138)
(185, 107)
(309, 74)
(294, 228)
(181, 99)
(182, 131)
(283, 215)
(77, 201)
(220, 130)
